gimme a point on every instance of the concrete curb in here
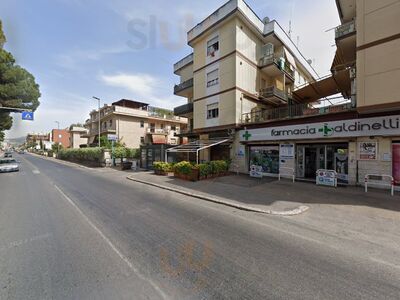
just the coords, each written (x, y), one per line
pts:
(299, 210)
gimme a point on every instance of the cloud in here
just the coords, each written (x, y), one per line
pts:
(139, 84)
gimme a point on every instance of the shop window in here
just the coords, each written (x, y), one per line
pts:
(212, 111)
(212, 78)
(267, 157)
(212, 46)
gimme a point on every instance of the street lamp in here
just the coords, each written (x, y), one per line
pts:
(98, 99)
(58, 132)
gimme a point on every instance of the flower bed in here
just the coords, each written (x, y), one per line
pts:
(162, 168)
(193, 172)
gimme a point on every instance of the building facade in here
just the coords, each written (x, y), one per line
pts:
(135, 124)
(61, 136)
(251, 84)
(75, 137)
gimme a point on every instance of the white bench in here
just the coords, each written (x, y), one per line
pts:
(379, 180)
(286, 172)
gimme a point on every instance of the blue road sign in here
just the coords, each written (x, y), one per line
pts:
(27, 115)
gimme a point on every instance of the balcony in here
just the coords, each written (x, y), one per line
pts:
(274, 95)
(183, 62)
(183, 109)
(291, 112)
(345, 29)
(179, 88)
(157, 131)
(273, 66)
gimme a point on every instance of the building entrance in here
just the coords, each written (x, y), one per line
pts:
(312, 157)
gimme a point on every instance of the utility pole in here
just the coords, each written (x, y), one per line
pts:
(98, 99)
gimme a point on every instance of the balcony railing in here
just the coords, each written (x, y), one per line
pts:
(272, 92)
(345, 29)
(278, 61)
(292, 111)
(157, 130)
(183, 86)
(183, 62)
(183, 109)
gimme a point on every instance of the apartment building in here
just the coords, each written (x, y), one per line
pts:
(241, 65)
(75, 137)
(135, 124)
(361, 134)
(61, 136)
(252, 85)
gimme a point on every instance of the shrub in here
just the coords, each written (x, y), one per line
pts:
(163, 166)
(219, 166)
(83, 154)
(183, 167)
(204, 169)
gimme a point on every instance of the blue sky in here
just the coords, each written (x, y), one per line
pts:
(77, 49)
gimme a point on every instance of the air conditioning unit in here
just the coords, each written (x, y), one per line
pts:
(353, 73)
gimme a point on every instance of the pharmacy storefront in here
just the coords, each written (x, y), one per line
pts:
(352, 148)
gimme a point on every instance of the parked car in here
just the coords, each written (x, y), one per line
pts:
(8, 165)
(7, 154)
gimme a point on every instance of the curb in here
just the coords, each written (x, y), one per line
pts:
(299, 210)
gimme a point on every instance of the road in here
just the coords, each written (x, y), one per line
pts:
(72, 233)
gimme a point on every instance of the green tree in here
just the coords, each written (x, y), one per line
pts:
(17, 86)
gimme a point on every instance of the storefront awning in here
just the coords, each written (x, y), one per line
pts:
(158, 139)
(197, 145)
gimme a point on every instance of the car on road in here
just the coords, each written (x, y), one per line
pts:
(7, 154)
(8, 165)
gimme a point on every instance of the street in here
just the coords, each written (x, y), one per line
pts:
(73, 233)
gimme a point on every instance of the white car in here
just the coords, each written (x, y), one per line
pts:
(8, 165)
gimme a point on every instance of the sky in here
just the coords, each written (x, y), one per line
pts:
(118, 49)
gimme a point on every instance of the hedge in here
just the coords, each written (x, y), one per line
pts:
(82, 154)
(163, 166)
(122, 152)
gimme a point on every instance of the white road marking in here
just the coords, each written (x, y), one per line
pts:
(36, 172)
(112, 246)
(24, 241)
(378, 260)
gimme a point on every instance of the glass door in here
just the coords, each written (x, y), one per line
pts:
(300, 161)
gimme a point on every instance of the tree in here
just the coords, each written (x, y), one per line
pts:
(17, 86)
(56, 146)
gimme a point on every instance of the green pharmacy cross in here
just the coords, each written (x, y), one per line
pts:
(246, 135)
(326, 130)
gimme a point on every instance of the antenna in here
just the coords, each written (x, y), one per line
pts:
(290, 29)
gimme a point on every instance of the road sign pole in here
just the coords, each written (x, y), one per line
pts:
(112, 153)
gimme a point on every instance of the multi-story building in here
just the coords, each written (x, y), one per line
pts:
(251, 83)
(240, 64)
(39, 140)
(75, 137)
(135, 124)
(61, 136)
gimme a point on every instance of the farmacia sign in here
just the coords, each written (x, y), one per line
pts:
(379, 126)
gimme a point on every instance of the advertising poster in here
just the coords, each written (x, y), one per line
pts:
(396, 163)
(286, 151)
(368, 150)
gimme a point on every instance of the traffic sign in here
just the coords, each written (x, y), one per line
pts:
(112, 137)
(27, 115)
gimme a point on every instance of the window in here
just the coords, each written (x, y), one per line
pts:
(173, 127)
(162, 125)
(212, 78)
(110, 123)
(212, 46)
(141, 124)
(212, 111)
(142, 139)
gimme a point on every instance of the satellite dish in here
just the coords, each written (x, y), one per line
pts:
(266, 20)
(309, 61)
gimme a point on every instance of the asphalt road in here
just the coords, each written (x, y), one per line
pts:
(72, 233)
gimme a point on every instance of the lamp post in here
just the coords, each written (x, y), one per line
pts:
(58, 132)
(98, 99)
